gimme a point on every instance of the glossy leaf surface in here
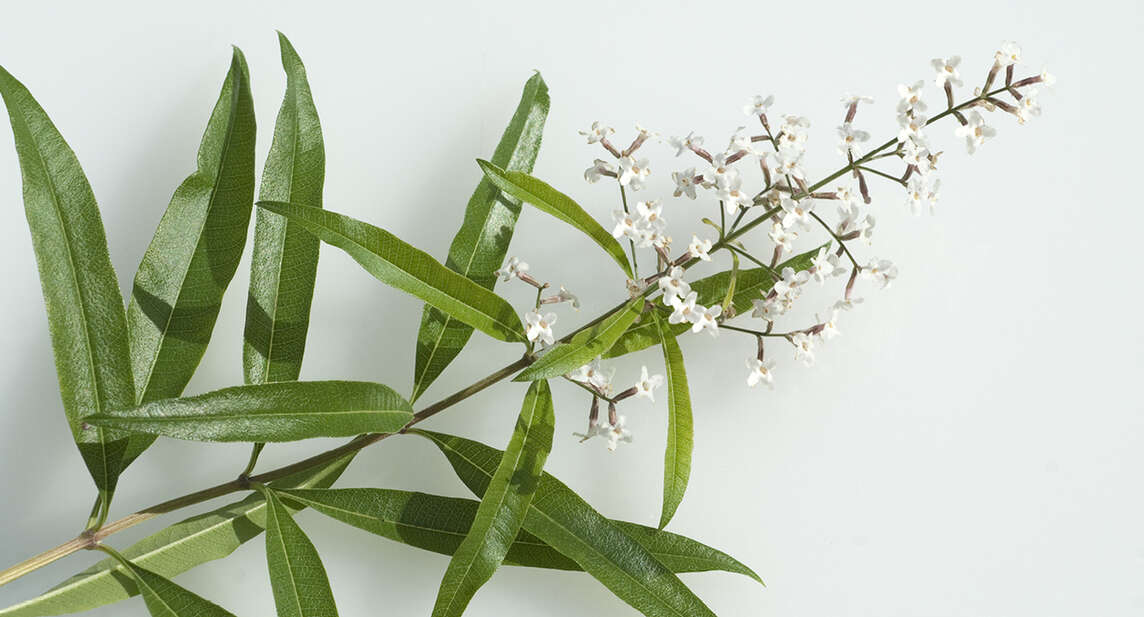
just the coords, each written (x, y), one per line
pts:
(680, 436)
(297, 576)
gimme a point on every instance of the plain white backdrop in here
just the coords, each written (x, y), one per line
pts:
(971, 446)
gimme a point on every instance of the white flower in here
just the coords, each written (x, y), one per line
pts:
(685, 143)
(783, 237)
(720, 170)
(617, 434)
(1009, 54)
(911, 97)
(975, 132)
(511, 269)
(803, 348)
(593, 375)
(707, 319)
(853, 99)
(919, 194)
(1028, 106)
(882, 270)
(652, 236)
(768, 308)
(540, 327)
(947, 71)
(788, 162)
(910, 127)
(731, 194)
(797, 212)
(760, 372)
(829, 327)
(698, 248)
(789, 286)
(849, 138)
(673, 286)
(849, 202)
(847, 304)
(633, 172)
(741, 141)
(825, 264)
(758, 105)
(646, 386)
(597, 132)
(625, 225)
(567, 296)
(643, 133)
(861, 224)
(1047, 78)
(651, 213)
(599, 169)
(685, 309)
(684, 182)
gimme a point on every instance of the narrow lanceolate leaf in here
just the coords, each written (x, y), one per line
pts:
(297, 576)
(566, 357)
(85, 309)
(398, 264)
(285, 259)
(547, 199)
(750, 284)
(172, 550)
(438, 524)
(504, 505)
(285, 411)
(568, 524)
(480, 246)
(166, 599)
(180, 283)
(677, 456)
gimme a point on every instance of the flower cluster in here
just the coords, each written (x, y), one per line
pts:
(788, 203)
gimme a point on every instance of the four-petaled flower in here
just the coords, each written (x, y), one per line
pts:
(760, 373)
(707, 319)
(975, 131)
(684, 182)
(540, 327)
(698, 248)
(633, 172)
(599, 169)
(646, 386)
(512, 269)
(597, 132)
(732, 195)
(758, 105)
(947, 71)
(673, 286)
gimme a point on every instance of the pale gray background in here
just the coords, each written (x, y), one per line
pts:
(971, 446)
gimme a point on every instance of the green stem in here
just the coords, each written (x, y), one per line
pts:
(631, 243)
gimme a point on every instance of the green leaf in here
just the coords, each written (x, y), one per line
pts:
(284, 411)
(166, 599)
(297, 576)
(85, 309)
(680, 438)
(480, 246)
(504, 505)
(565, 522)
(180, 283)
(439, 524)
(398, 264)
(547, 199)
(172, 550)
(285, 260)
(750, 284)
(585, 346)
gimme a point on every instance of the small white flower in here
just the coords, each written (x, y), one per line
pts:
(698, 248)
(731, 194)
(797, 212)
(741, 141)
(975, 132)
(758, 105)
(910, 127)
(673, 286)
(768, 308)
(618, 434)
(788, 162)
(651, 213)
(599, 169)
(916, 194)
(791, 284)
(684, 182)
(760, 372)
(830, 327)
(540, 327)
(783, 237)
(847, 304)
(652, 236)
(911, 97)
(1047, 78)
(862, 224)
(625, 225)
(511, 269)
(593, 375)
(1009, 54)
(633, 172)
(1028, 106)
(825, 265)
(947, 71)
(646, 386)
(849, 138)
(597, 132)
(685, 309)
(567, 296)
(853, 99)
(803, 348)
(685, 143)
(643, 133)
(720, 170)
(881, 270)
(707, 319)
